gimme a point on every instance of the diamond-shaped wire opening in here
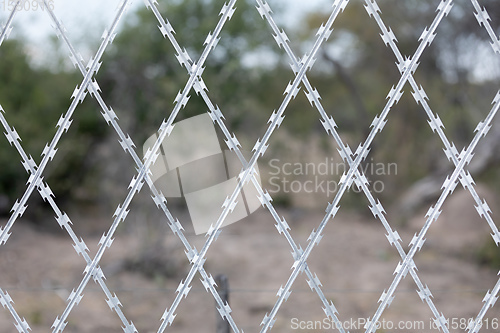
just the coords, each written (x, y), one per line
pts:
(253, 292)
(35, 178)
(459, 236)
(460, 108)
(354, 283)
(41, 288)
(182, 100)
(406, 69)
(244, 176)
(448, 187)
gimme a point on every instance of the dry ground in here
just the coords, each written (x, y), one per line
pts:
(354, 262)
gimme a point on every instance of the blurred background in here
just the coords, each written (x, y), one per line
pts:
(246, 76)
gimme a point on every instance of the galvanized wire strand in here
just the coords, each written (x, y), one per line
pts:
(361, 152)
(300, 66)
(330, 126)
(233, 144)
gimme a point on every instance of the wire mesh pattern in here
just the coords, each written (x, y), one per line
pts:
(354, 175)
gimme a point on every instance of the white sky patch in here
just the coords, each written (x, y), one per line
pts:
(86, 20)
(82, 18)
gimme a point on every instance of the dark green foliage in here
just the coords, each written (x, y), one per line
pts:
(142, 76)
(447, 71)
(489, 255)
(33, 99)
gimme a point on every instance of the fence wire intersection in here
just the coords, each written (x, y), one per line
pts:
(347, 180)
(406, 66)
(450, 150)
(127, 144)
(234, 145)
(36, 179)
(158, 197)
(346, 154)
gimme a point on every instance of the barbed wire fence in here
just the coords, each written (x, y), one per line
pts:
(354, 175)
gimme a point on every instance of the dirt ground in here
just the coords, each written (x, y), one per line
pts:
(354, 262)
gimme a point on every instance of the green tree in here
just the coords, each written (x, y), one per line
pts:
(33, 99)
(141, 75)
(361, 69)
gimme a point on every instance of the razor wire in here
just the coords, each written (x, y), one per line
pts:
(64, 222)
(5, 299)
(406, 66)
(347, 178)
(450, 150)
(150, 157)
(346, 153)
(259, 148)
(158, 197)
(46, 193)
(233, 144)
